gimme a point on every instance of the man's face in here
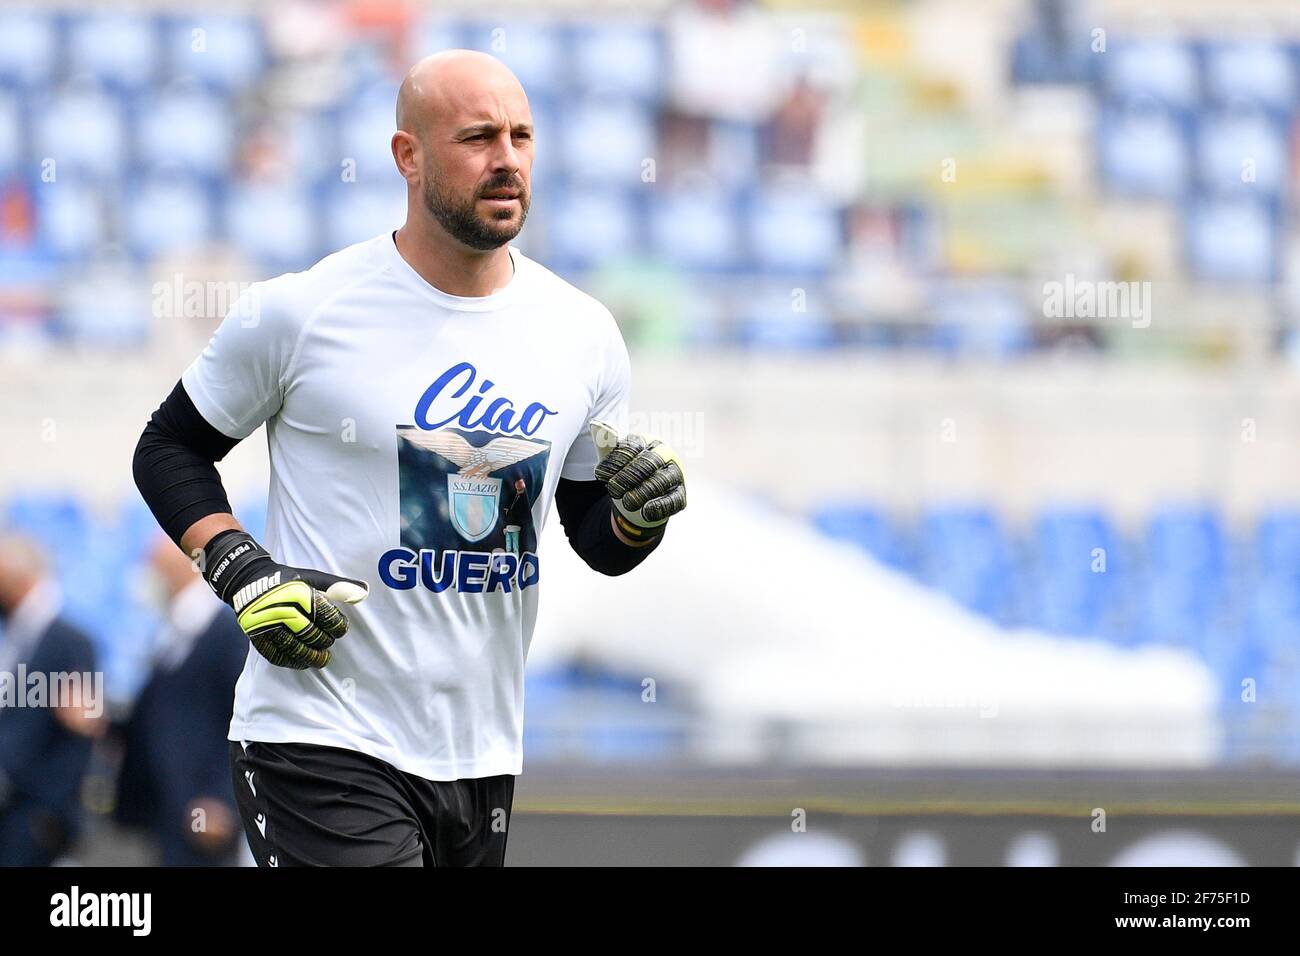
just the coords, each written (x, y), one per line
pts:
(479, 166)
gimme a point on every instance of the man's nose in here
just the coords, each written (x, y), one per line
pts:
(505, 158)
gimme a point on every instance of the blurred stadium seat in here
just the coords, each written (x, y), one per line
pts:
(168, 213)
(224, 52)
(119, 50)
(28, 47)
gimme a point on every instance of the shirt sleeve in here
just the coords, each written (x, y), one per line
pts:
(611, 407)
(237, 382)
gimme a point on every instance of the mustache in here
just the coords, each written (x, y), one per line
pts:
(507, 182)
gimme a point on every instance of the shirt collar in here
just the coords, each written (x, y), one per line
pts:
(30, 619)
(460, 303)
(189, 613)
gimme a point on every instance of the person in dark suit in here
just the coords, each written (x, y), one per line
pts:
(174, 782)
(45, 738)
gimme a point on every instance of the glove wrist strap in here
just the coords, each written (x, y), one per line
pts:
(230, 560)
(634, 531)
(634, 519)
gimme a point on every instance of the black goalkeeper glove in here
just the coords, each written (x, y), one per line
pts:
(287, 613)
(644, 478)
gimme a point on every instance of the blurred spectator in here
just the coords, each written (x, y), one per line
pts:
(790, 134)
(175, 777)
(17, 216)
(45, 741)
(723, 60)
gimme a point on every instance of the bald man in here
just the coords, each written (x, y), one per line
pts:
(44, 750)
(174, 781)
(427, 394)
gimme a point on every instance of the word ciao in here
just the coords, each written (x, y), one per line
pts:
(499, 414)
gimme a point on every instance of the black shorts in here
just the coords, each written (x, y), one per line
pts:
(308, 805)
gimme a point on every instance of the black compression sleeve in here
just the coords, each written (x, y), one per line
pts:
(584, 508)
(173, 465)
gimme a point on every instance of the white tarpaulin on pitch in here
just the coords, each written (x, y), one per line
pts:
(797, 646)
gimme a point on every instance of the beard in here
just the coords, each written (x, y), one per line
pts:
(460, 217)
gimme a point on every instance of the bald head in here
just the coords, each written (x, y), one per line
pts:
(438, 84)
(464, 145)
(22, 565)
(172, 566)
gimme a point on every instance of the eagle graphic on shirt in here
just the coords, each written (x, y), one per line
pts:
(468, 487)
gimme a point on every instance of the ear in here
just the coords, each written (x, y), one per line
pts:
(406, 154)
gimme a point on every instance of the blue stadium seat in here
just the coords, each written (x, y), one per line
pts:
(437, 31)
(615, 59)
(1036, 58)
(354, 212)
(735, 159)
(251, 512)
(29, 45)
(791, 230)
(1272, 616)
(1066, 607)
(1184, 587)
(70, 218)
(697, 230)
(186, 131)
(548, 164)
(1258, 73)
(1186, 540)
(57, 520)
(119, 50)
(107, 306)
(1159, 70)
(81, 572)
(366, 125)
(605, 143)
(1233, 656)
(583, 711)
(869, 529)
(1179, 609)
(83, 131)
(310, 144)
(1227, 142)
(1067, 536)
(984, 318)
(534, 49)
(134, 528)
(276, 224)
(1277, 544)
(168, 214)
(585, 226)
(1144, 153)
(1078, 571)
(769, 318)
(1233, 240)
(13, 135)
(967, 555)
(223, 51)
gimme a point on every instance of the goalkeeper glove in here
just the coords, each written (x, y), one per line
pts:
(644, 478)
(287, 613)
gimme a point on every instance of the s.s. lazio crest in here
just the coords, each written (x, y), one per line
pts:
(473, 505)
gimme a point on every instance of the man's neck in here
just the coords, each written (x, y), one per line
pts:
(450, 267)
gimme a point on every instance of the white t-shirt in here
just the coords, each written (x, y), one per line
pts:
(416, 439)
